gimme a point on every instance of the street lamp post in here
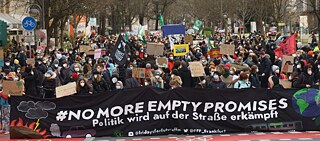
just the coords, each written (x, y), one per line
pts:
(40, 10)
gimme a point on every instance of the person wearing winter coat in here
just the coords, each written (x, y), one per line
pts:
(65, 73)
(49, 84)
(30, 85)
(83, 87)
(253, 77)
(98, 83)
(185, 75)
(306, 79)
(265, 68)
(215, 81)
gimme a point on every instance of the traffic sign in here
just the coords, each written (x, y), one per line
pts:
(29, 23)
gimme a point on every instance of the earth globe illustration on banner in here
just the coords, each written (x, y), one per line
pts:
(307, 102)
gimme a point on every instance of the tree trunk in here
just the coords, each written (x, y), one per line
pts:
(62, 26)
(141, 17)
(318, 29)
(103, 25)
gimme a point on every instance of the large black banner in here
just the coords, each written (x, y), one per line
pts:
(151, 111)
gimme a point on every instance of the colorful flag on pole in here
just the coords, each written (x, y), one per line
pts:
(161, 20)
(120, 53)
(126, 37)
(287, 47)
(197, 25)
(141, 35)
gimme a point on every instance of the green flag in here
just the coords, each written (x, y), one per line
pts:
(197, 25)
(126, 37)
(161, 20)
(141, 35)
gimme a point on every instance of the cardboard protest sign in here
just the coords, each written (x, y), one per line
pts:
(155, 49)
(138, 73)
(66, 90)
(227, 49)
(215, 53)
(85, 48)
(196, 69)
(287, 64)
(188, 39)
(285, 83)
(13, 88)
(162, 62)
(97, 53)
(180, 50)
(31, 61)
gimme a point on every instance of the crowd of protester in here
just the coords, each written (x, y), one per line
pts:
(54, 67)
(260, 67)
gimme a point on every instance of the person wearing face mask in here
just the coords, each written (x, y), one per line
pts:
(65, 73)
(40, 66)
(55, 64)
(215, 81)
(276, 71)
(299, 66)
(7, 67)
(306, 79)
(49, 84)
(87, 68)
(171, 61)
(158, 80)
(243, 82)
(83, 87)
(99, 84)
(119, 85)
(254, 78)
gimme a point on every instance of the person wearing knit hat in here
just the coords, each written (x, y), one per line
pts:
(275, 69)
(310, 53)
(55, 63)
(16, 61)
(49, 84)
